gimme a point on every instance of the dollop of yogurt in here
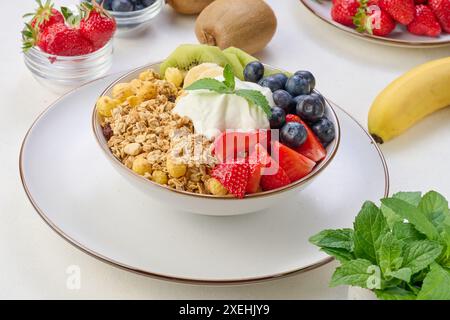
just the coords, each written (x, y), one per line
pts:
(212, 112)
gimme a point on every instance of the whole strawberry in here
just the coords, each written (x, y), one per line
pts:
(424, 23)
(96, 25)
(374, 21)
(343, 11)
(61, 40)
(45, 16)
(441, 9)
(401, 11)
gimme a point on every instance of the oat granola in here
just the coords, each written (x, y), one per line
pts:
(151, 140)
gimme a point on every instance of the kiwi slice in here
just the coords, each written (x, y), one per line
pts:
(243, 57)
(187, 56)
(238, 69)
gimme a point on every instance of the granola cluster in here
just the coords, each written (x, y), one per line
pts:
(145, 135)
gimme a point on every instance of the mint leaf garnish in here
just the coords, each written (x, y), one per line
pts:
(406, 232)
(413, 215)
(257, 98)
(395, 294)
(228, 76)
(209, 84)
(228, 87)
(341, 238)
(342, 255)
(389, 253)
(402, 274)
(436, 285)
(370, 226)
(352, 273)
(420, 254)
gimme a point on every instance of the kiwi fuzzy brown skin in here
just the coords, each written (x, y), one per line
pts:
(248, 25)
(189, 6)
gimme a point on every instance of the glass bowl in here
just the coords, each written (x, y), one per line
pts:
(129, 23)
(61, 73)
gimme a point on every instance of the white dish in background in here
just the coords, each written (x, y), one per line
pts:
(83, 199)
(210, 204)
(399, 37)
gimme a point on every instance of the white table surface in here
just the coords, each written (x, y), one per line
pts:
(349, 71)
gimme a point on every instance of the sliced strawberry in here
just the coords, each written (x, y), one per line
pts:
(254, 178)
(311, 148)
(259, 156)
(233, 176)
(274, 181)
(231, 145)
(296, 165)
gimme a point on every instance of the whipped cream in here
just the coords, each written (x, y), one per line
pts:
(213, 113)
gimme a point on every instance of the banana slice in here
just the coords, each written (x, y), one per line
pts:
(194, 73)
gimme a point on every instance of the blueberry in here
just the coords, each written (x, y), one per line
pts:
(282, 99)
(253, 71)
(138, 7)
(280, 77)
(297, 85)
(271, 83)
(122, 5)
(315, 94)
(148, 3)
(293, 134)
(308, 76)
(324, 130)
(310, 108)
(294, 102)
(278, 118)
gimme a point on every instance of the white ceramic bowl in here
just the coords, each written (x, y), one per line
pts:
(209, 204)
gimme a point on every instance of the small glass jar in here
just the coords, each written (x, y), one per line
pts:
(131, 22)
(62, 73)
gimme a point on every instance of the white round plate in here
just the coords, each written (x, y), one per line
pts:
(79, 194)
(399, 37)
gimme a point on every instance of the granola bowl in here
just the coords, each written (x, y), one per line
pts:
(186, 195)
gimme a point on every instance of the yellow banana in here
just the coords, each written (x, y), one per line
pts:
(408, 99)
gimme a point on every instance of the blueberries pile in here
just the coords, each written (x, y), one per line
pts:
(125, 5)
(294, 95)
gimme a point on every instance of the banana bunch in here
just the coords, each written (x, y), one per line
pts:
(408, 99)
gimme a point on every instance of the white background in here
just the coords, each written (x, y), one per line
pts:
(349, 71)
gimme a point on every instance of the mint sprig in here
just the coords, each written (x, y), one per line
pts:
(401, 251)
(227, 86)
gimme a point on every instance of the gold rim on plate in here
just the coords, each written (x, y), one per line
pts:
(129, 268)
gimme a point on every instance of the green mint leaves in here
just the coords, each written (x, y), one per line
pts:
(401, 250)
(228, 87)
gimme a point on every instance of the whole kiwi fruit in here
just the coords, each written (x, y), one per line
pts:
(248, 25)
(188, 6)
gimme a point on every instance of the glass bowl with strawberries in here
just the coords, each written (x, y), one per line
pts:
(64, 50)
(213, 139)
(132, 16)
